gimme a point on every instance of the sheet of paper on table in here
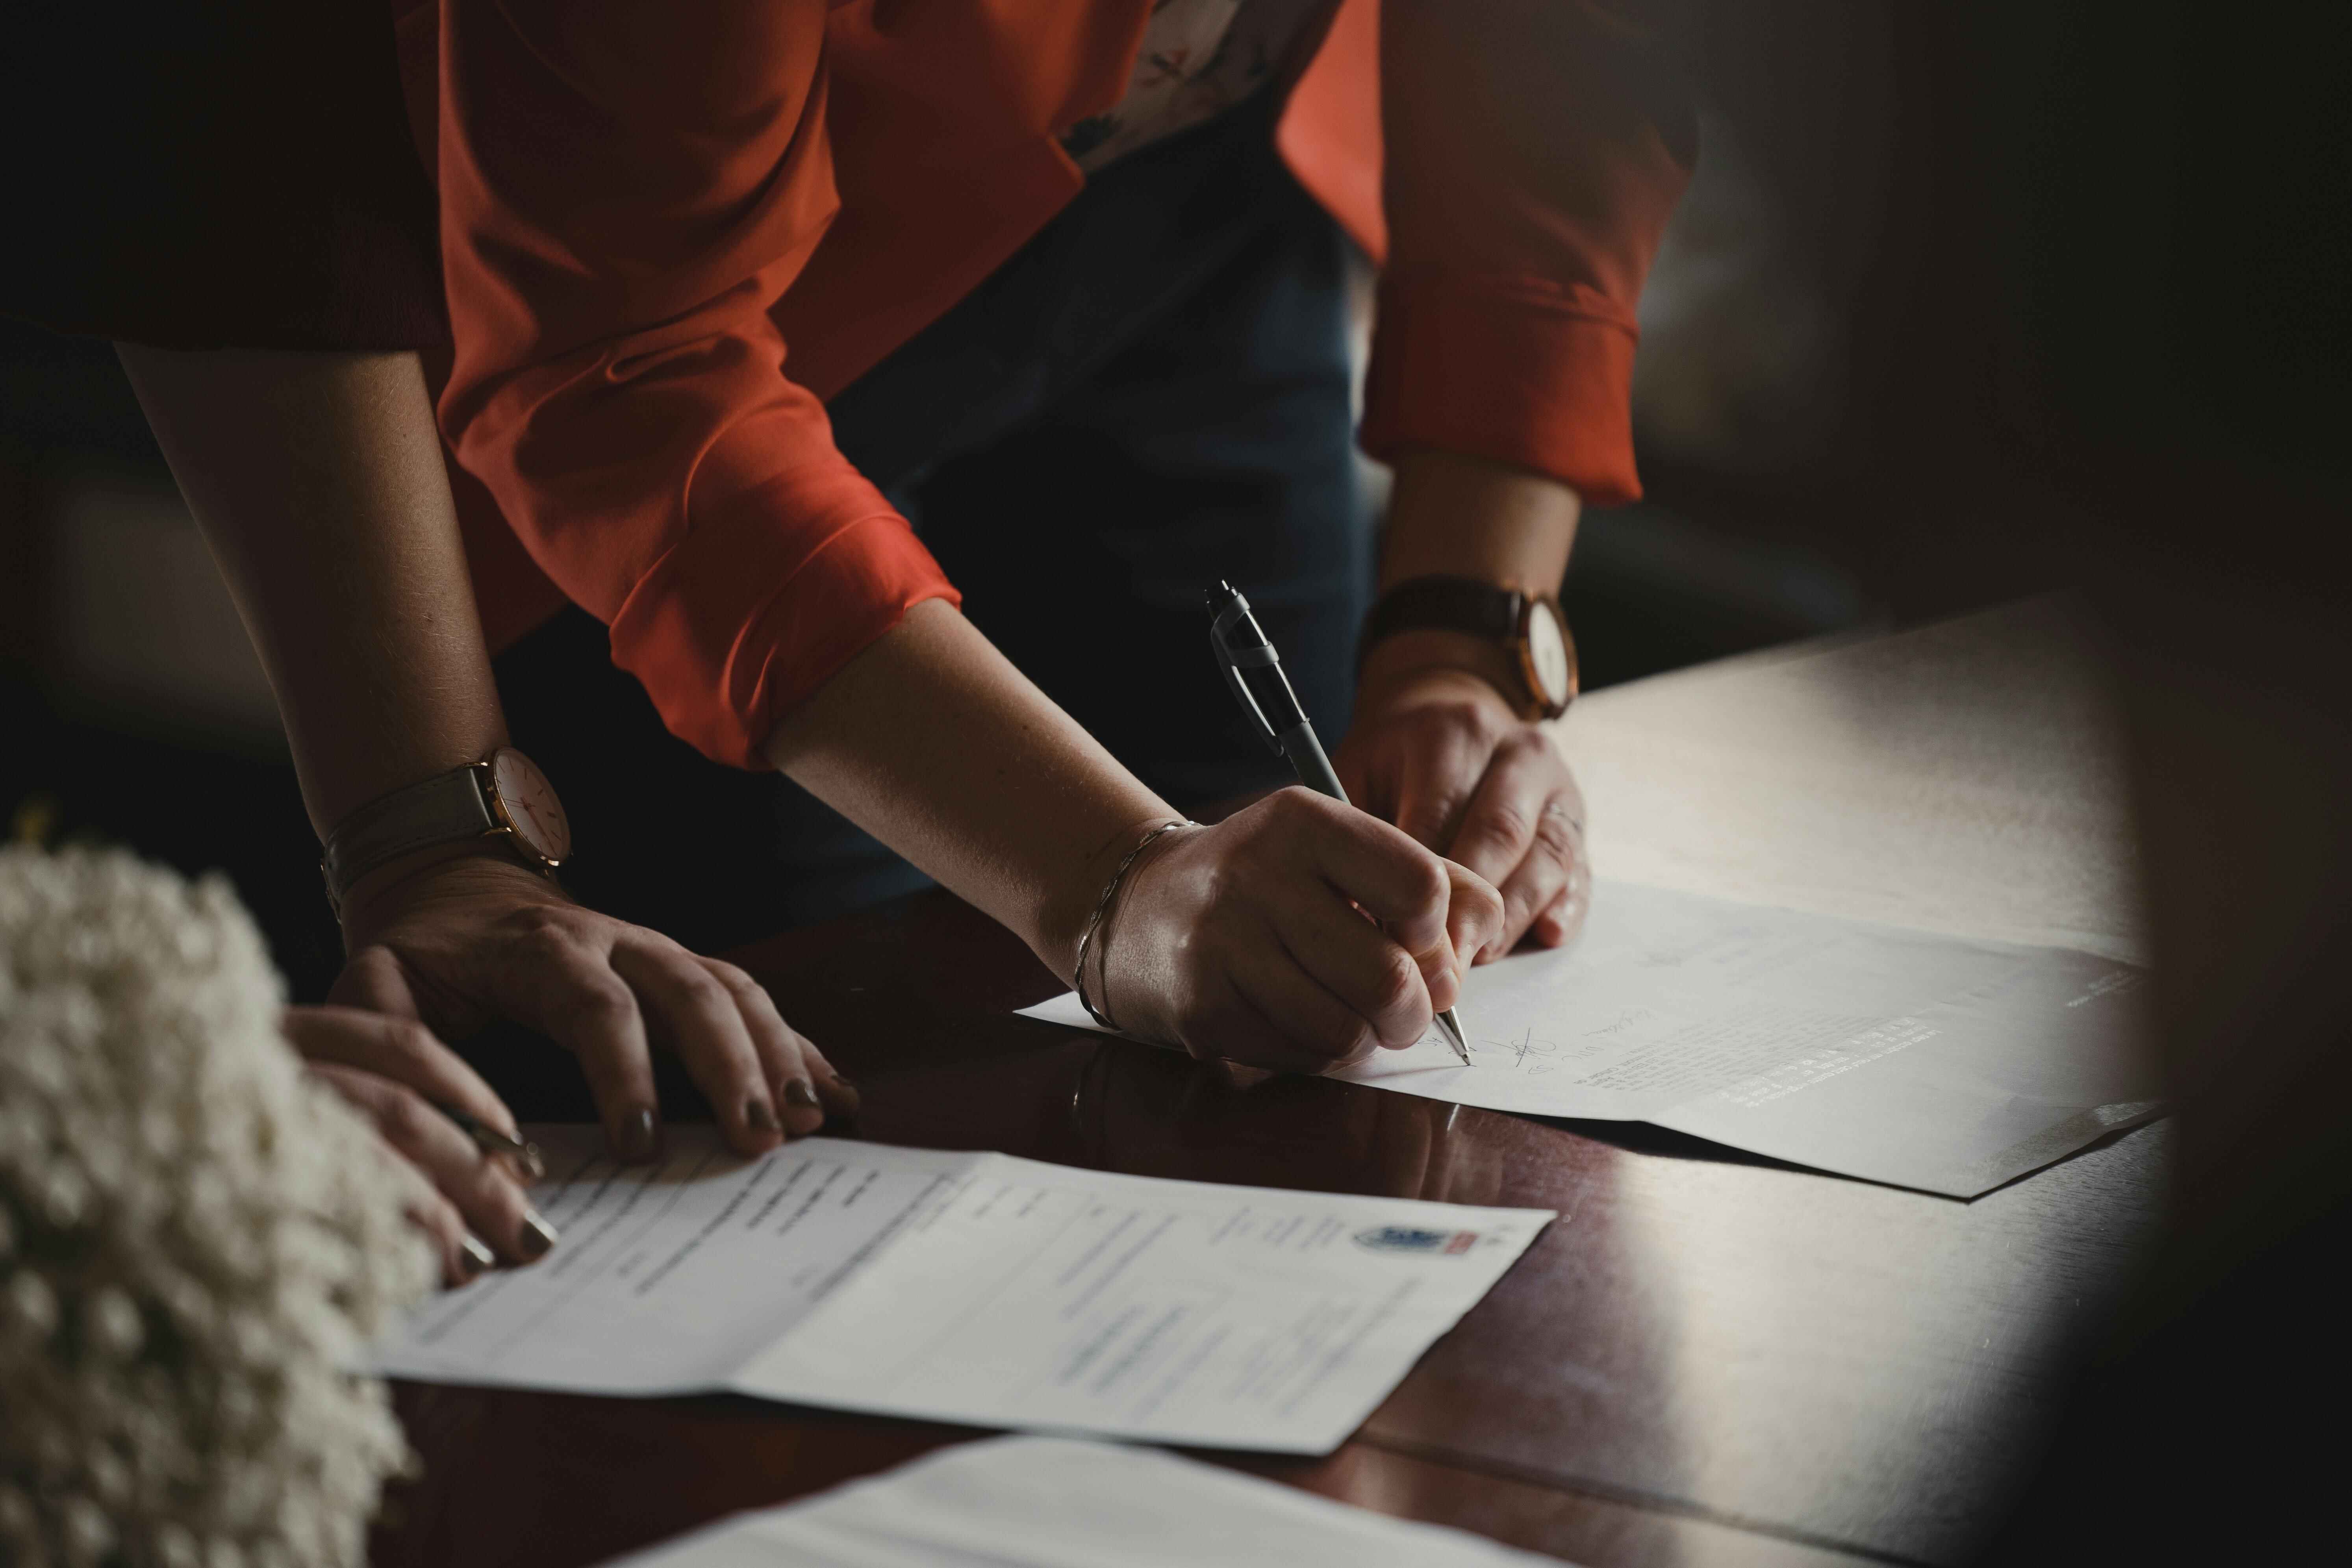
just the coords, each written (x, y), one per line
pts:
(1921, 1060)
(971, 1287)
(1047, 1503)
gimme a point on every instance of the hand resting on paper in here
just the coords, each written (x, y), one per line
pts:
(1250, 940)
(393, 1071)
(1435, 748)
(478, 937)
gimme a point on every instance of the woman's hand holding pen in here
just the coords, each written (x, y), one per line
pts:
(1254, 939)
(465, 939)
(1250, 940)
(413, 1089)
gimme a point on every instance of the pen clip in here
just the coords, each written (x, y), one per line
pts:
(1232, 661)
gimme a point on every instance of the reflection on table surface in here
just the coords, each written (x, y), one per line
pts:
(1726, 1344)
(1709, 1358)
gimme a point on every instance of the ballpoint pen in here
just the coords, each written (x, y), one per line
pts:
(1240, 644)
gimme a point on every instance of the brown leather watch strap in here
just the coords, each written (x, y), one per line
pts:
(1527, 631)
(1444, 604)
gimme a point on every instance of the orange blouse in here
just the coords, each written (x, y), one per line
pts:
(670, 232)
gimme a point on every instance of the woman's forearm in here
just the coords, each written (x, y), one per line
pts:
(1466, 517)
(1246, 939)
(931, 740)
(318, 481)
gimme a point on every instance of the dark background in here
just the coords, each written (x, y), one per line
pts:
(1966, 303)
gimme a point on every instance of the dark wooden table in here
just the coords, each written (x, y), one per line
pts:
(1709, 1359)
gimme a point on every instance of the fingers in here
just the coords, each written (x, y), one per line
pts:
(1537, 884)
(1556, 924)
(1437, 778)
(1378, 990)
(1473, 922)
(1256, 1012)
(475, 938)
(1518, 833)
(805, 1085)
(373, 979)
(463, 1255)
(1500, 822)
(485, 1199)
(1298, 934)
(698, 1019)
(1566, 917)
(460, 1254)
(560, 983)
(400, 1049)
(1398, 882)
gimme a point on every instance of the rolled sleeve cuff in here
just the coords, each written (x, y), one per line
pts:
(1537, 378)
(750, 612)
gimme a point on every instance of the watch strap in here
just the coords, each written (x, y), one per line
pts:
(1445, 604)
(442, 810)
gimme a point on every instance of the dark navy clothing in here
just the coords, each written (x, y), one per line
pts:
(1151, 395)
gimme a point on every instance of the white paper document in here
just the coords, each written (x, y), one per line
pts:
(1047, 1502)
(971, 1288)
(1903, 1056)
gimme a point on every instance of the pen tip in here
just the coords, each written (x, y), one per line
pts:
(1451, 1027)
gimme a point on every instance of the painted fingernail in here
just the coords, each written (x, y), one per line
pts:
(798, 1092)
(538, 1235)
(478, 1256)
(639, 1138)
(850, 1098)
(760, 1116)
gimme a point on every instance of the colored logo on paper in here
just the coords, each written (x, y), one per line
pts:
(1409, 1238)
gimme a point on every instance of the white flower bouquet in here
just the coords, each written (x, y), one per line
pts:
(196, 1241)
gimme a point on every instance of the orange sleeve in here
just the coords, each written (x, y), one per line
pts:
(1533, 150)
(626, 190)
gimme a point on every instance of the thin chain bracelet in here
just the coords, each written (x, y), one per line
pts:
(1102, 907)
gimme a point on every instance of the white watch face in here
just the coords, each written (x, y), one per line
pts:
(531, 808)
(1548, 656)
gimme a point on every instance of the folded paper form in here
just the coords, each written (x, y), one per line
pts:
(973, 1288)
(1921, 1060)
(1044, 1502)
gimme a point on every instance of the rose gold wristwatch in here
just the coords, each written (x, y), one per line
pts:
(1528, 628)
(503, 797)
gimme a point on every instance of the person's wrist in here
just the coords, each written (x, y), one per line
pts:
(485, 861)
(1426, 656)
(1070, 904)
